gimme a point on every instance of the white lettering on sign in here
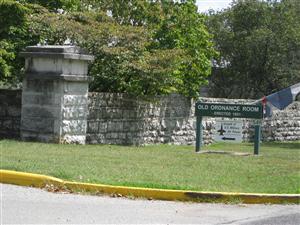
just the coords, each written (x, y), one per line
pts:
(228, 131)
(203, 107)
(225, 107)
(228, 110)
(222, 114)
(250, 109)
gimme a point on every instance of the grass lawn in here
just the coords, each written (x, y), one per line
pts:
(276, 170)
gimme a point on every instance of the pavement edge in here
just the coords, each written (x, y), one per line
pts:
(37, 180)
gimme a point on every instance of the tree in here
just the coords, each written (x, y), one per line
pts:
(13, 38)
(141, 47)
(183, 28)
(54, 5)
(259, 48)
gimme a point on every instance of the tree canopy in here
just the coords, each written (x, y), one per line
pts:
(141, 47)
(145, 47)
(259, 45)
(12, 39)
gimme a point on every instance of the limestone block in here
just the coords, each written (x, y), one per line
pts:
(74, 112)
(104, 113)
(116, 113)
(118, 126)
(41, 125)
(94, 113)
(2, 111)
(75, 88)
(74, 100)
(134, 127)
(130, 135)
(100, 138)
(16, 124)
(74, 127)
(112, 135)
(140, 113)
(73, 139)
(110, 126)
(126, 125)
(163, 125)
(71, 68)
(40, 86)
(31, 136)
(93, 127)
(133, 114)
(125, 114)
(103, 126)
(40, 112)
(91, 139)
(122, 135)
(14, 111)
(7, 124)
(44, 65)
(50, 99)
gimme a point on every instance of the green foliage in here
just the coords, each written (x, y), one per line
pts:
(183, 28)
(12, 14)
(12, 38)
(133, 48)
(130, 12)
(122, 62)
(54, 5)
(141, 47)
(259, 47)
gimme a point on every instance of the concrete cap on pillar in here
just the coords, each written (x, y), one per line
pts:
(57, 51)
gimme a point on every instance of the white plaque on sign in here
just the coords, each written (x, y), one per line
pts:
(228, 131)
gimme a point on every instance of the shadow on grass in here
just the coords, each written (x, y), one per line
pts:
(289, 145)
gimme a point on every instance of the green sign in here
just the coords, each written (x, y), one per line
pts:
(229, 110)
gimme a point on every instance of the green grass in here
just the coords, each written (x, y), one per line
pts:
(275, 170)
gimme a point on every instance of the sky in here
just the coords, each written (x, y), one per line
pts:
(205, 5)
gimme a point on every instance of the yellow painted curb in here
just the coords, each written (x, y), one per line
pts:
(36, 180)
(28, 179)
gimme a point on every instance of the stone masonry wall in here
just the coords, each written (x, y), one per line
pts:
(120, 119)
(10, 113)
(283, 125)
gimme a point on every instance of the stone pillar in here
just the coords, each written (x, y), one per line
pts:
(55, 94)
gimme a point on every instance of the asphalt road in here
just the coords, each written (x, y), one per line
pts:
(20, 205)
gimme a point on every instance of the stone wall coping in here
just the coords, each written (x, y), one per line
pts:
(57, 55)
(225, 100)
(56, 51)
